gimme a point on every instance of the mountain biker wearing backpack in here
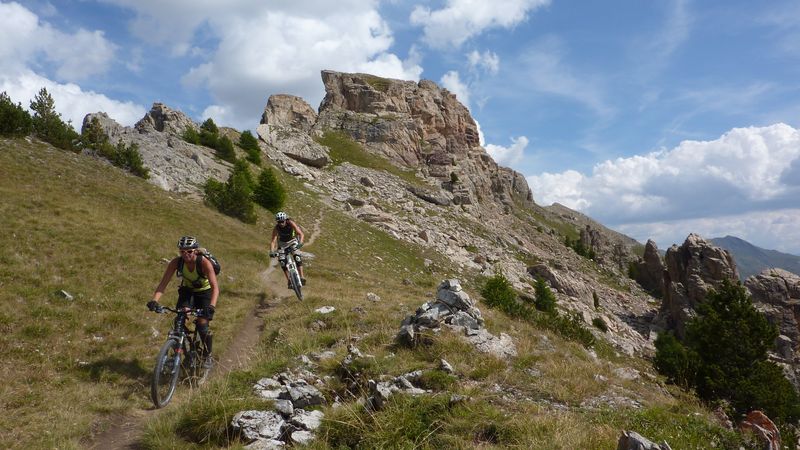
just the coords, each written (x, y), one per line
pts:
(285, 231)
(198, 289)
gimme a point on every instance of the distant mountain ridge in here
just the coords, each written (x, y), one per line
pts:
(751, 260)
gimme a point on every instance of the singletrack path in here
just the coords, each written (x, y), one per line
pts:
(125, 430)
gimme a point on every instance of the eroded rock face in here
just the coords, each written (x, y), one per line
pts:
(420, 126)
(163, 119)
(175, 165)
(650, 270)
(691, 271)
(776, 293)
(289, 111)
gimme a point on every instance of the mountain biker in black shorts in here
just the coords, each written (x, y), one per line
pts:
(198, 289)
(283, 234)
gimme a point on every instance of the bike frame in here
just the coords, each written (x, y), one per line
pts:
(291, 268)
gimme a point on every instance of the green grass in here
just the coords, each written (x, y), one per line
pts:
(73, 223)
(60, 378)
(380, 84)
(344, 149)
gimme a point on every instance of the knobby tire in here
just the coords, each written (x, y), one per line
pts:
(196, 374)
(165, 374)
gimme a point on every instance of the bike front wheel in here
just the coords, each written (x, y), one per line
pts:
(166, 372)
(297, 285)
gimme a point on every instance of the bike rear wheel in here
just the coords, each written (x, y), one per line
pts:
(194, 366)
(166, 372)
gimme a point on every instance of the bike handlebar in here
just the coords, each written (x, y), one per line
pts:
(198, 312)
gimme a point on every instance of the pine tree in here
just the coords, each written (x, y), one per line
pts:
(269, 192)
(47, 123)
(14, 120)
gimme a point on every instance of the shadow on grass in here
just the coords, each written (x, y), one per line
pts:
(114, 369)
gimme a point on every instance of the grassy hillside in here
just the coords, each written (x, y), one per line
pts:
(76, 224)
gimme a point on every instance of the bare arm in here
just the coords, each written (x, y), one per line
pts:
(299, 232)
(166, 278)
(274, 244)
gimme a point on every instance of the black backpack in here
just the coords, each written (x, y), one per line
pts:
(201, 253)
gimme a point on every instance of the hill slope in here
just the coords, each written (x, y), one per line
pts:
(82, 226)
(751, 259)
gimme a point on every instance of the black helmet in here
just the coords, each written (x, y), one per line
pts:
(187, 242)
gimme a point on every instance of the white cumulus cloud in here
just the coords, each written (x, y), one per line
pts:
(460, 20)
(508, 156)
(452, 82)
(488, 61)
(72, 102)
(280, 49)
(744, 173)
(29, 43)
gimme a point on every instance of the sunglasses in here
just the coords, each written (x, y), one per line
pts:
(187, 252)
(281, 221)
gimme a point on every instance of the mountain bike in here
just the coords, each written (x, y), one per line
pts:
(183, 354)
(291, 267)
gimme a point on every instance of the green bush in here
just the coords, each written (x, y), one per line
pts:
(249, 144)
(579, 248)
(672, 359)
(225, 149)
(545, 299)
(210, 126)
(123, 156)
(235, 196)
(269, 192)
(47, 123)
(498, 292)
(14, 120)
(724, 356)
(600, 324)
(595, 300)
(191, 136)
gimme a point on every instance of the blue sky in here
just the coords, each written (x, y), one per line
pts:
(656, 118)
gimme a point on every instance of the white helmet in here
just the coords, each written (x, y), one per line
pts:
(281, 216)
(187, 242)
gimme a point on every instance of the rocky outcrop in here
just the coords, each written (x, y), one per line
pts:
(163, 119)
(649, 272)
(420, 126)
(776, 293)
(691, 271)
(454, 308)
(297, 145)
(175, 165)
(289, 111)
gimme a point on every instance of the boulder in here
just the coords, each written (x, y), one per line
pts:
(289, 111)
(631, 440)
(295, 144)
(759, 424)
(253, 425)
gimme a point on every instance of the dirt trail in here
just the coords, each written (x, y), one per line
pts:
(125, 431)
